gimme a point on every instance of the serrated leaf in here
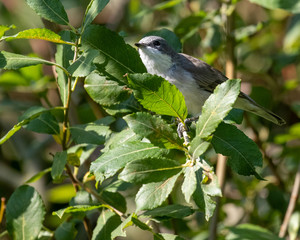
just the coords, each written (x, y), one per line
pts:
(63, 56)
(172, 211)
(158, 95)
(37, 176)
(106, 224)
(150, 170)
(120, 138)
(83, 66)
(214, 110)
(110, 162)
(115, 57)
(243, 153)
(65, 231)
(104, 91)
(28, 116)
(155, 129)
(45, 123)
(15, 61)
(92, 133)
(59, 162)
(38, 33)
(288, 5)
(25, 213)
(152, 195)
(92, 10)
(217, 106)
(75, 209)
(189, 183)
(119, 231)
(52, 10)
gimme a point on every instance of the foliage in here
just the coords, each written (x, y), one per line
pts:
(112, 109)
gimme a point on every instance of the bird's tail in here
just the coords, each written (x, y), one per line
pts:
(246, 103)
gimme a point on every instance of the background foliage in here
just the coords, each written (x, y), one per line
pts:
(51, 139)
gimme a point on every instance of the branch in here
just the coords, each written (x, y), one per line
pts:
(292, 203)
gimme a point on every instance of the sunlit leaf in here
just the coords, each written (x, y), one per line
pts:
(25, 213)
(52, 10)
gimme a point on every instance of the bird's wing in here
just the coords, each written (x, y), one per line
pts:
(206, 76)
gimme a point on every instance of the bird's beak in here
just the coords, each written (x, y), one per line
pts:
(139, 45)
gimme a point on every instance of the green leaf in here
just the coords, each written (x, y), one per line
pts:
(120, 138)
(152, 195)
(13, 79)
(110, 162)
(292, 36)
(83, 66)
(243, 154)
(140, 224)
(250, 231)
(4, 28)
(128, 106)
(214, 110)
(92, 133)
(37, 176)
(63, 56)
(235, 116)
(202, 199)
(172, 211)
(288, 5)
(119, 231)
(59, 162)
(28, 116)
(115, 57)
(92, 10)
(25, 213)
(75, 209)
(115, 200)
(106, 224)
(217, 106)
(155, 129)
(15, 61)
(52, 10)
(158, 95)
(169, 36)
(104, 91)
(189, 183)
(150, 170)
(66, 231)
(38, 33)
(45, 123)
(166, 236)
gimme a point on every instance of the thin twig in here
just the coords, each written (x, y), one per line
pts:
(2, 209)
(292, 204)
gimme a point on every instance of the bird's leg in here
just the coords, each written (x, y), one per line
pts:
(182, 129)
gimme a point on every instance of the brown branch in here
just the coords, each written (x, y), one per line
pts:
(292, 204)
(2, 209)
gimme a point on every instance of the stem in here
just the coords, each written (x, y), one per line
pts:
(228, 19)
(292, 204)
(2, 209)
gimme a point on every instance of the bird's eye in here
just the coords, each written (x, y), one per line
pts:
(156, 43)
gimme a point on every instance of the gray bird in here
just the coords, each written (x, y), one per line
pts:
(194, 78)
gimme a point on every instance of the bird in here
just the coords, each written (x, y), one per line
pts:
(194, 78)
